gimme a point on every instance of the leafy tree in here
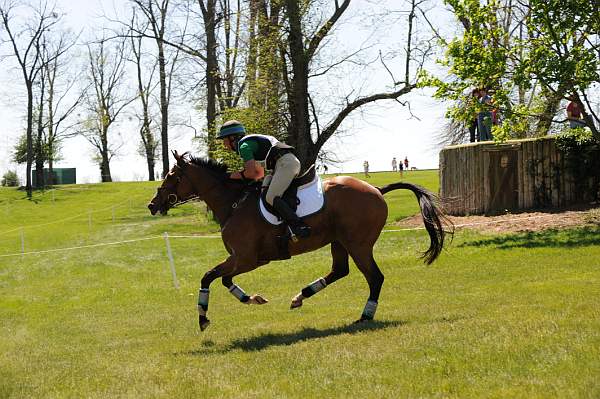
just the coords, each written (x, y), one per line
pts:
(532, 54)
(10, 179)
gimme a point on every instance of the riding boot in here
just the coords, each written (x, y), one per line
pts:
(297, 226)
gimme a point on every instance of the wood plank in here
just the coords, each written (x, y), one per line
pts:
(485, 182)
(525, 159)
(519, 171)
(546, 168)
(555, 175)
(562, 199)
(529, 181)
(539, 180)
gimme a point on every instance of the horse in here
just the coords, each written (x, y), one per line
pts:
(351, 220)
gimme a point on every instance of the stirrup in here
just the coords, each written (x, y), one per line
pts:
(298, 231)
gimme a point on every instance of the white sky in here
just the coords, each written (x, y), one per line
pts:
(377, 134)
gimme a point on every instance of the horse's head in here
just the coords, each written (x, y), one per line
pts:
(175, 188)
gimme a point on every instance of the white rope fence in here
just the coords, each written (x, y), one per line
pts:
(45, 251)
(166, 236)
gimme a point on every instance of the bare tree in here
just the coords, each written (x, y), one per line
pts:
(299, 51)
(156, 13)
(106, 99)
(24, 38)
(61, 75)
(145, 86)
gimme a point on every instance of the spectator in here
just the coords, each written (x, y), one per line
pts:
(366, 168)
(484, 117)
(574, 114)
(406, 163)
(401, 168)
(394, 165)
(473, 134)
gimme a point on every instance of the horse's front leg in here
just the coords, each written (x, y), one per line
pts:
(226, 267)
(239, 293)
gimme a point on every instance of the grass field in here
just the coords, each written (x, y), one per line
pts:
(496, 316)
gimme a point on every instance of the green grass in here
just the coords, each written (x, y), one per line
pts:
(496, 316)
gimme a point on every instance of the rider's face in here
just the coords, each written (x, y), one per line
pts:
(228, 143)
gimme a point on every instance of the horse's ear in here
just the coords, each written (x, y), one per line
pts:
(176, 155)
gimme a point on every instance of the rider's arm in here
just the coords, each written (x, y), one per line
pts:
(252, 169)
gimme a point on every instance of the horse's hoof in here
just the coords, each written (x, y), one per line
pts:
(257, 300)
(203, 322)
(362, 320)
(295, 304)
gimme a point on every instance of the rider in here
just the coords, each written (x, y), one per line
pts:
(261, 152)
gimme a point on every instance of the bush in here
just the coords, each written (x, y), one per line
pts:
(10, 179)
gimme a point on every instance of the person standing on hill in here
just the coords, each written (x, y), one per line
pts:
(394, 165)
(574, 114)
(484, 117)
(366, 168)
(406, 163)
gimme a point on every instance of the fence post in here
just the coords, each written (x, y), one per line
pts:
(171, 262)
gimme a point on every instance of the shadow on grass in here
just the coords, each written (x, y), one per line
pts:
(581, 237)
(264, 341)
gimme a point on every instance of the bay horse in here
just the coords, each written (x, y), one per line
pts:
(351, 220)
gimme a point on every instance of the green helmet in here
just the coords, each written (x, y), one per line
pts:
(231, 128)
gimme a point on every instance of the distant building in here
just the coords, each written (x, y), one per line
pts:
(59, 176)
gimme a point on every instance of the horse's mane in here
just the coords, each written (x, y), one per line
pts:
(219, 168)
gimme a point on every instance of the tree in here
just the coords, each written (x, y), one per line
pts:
(25, 41)
(156, 13)
(563, 52)
(145, 86)
(10, 179)
(61, 75)
(534, 54)
(105, 100)
(300, 48)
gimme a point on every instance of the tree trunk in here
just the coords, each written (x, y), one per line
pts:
(150, 161)
(552, 102)
(39, 147)
(209, 16)
(299, 126)
(29, 137)
(105, 161)
(164, 109)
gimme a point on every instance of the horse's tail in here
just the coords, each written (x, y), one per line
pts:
(433, 217)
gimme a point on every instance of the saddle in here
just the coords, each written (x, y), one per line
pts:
(290, 196)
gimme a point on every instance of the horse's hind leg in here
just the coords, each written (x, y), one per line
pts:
(339, 269)
(363, 257)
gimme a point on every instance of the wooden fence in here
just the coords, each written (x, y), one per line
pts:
(488, 178)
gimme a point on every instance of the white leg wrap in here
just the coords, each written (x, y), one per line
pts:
(318, 285)
(238, 293)
(203, 301)
(370, 309)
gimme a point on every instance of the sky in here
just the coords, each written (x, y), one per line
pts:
(376, 133)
